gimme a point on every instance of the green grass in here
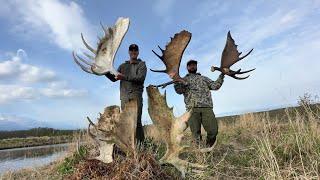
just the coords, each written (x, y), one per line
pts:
(34, 141)
(68, 164)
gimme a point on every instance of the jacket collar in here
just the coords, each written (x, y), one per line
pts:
(137, 61)
(192, 74)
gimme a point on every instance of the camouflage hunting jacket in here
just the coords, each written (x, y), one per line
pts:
(134, 76)
(196, 90)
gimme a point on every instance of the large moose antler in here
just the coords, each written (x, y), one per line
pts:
(102, 61)
(230, 56)
(115, 127)
(170, 130)
(172, 54)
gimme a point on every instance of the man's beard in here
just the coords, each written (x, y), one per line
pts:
(193, 71)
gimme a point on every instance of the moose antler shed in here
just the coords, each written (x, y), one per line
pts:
(101, 62)
(230, 56)
(172, 54)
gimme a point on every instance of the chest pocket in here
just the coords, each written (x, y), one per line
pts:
(198, 85)
(130, 70)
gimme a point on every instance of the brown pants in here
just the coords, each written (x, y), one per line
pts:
(139, 130)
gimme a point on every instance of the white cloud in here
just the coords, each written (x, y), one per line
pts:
(59, 21)
(15, 69)
(12, 93)
(60, 89)
(18, 93)
(25, 82)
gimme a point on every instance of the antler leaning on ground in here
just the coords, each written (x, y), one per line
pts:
(170, 130)
(230, 56)
(101, 63)
(171, 56)
(110, 130)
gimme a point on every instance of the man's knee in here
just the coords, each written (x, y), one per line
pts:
(195, 122)
(210, 123)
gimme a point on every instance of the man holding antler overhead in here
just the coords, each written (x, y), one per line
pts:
(195, 87)
(197, 96)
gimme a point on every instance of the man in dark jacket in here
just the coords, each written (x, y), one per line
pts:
(197, 96)
(132, 74)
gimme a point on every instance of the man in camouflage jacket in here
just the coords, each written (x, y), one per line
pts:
(197, 96)
(132, 76)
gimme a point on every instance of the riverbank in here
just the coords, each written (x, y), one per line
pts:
(34, 141)
(45, 172)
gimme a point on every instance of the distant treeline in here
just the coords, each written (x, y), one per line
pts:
(35, 132)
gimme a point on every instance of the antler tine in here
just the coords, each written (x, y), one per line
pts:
(164, 84)
(160, 57)
(162, 71)
(104, 29)
(99, 38)
(109, 31)
(90, 121)
(246, 71)
(245, 55)
(91, 124)
(87, 45)
(91, 135)
(89, 56)
(84, 61)
(160, 49)
(240, 78)
(86, 69)
(233, 74)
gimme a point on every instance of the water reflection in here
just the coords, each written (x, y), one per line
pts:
(30, 157)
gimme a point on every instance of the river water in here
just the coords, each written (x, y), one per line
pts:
(30, 157)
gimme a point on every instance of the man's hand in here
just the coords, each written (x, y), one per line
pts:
(180, 80)
(172, 74)
(119, 77)
(225, 70)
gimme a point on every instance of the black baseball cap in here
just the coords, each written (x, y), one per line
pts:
(133, 47)
(192, 62)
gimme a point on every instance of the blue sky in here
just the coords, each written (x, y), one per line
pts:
(40, 81)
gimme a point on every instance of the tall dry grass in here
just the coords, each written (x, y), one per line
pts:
(290, 150)
(274, 148)
(254, 146)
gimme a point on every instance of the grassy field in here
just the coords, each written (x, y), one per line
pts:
(279, 144)
(36, 132)
(34, 141)
(35, 137)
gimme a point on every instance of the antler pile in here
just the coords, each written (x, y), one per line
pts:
(101, 63)
(115, 127)
(171, 56)
(230, 56)
(170, 130)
